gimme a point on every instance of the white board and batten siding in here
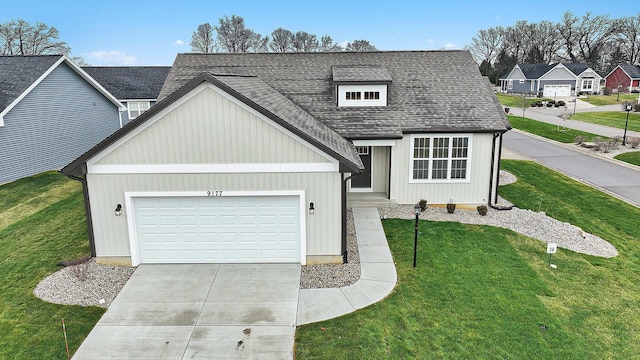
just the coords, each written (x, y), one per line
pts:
(474, 191)
(209, 142)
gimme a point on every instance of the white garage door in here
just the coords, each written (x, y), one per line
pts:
(227, 229)
(556, 90)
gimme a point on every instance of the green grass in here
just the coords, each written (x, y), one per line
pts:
(630, 157)
(482, 292)
(613, 119)
(40, 232)
(547, 130)
(516, 101)
(600, 100)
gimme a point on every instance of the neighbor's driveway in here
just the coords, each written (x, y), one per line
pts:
(200, 311)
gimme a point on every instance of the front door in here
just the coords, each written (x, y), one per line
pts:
(363, 180)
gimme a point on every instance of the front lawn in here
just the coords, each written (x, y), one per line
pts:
(484, 293)
(509, 100)
(599, 100)
(42, 222)
(547, 130)
(630, 157)
(613, 119)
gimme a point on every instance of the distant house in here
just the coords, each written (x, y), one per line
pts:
(625, 77)
(551, 80)
(251, 157)
(51, 111)
(136, 87)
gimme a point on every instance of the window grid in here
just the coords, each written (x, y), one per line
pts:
(136, 108)
(372, 95)
(353, 95)
(440, 158)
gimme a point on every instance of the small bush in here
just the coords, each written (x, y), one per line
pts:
(607, 91)
(610, 144)
(634, 142)
(79, 271)
(423, 204)
(579, 139)
(482, 210)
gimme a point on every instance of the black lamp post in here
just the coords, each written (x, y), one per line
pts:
(627, 107)
(416, 210)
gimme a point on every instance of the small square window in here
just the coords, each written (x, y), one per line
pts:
(137, 107)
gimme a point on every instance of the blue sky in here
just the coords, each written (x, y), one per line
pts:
(116, 32)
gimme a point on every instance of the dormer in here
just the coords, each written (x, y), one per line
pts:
(361, 85)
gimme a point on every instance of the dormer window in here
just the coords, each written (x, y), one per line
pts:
(361, 85)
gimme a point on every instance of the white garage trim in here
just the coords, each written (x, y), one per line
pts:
(132, 229)
(332, 166)
(556, 90)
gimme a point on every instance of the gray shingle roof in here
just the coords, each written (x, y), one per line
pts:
(431, 91)
(17, 73)
(576, 68)
(260, 96)
(377, 74)
(130, 82)
(534, 71)
(632, 70)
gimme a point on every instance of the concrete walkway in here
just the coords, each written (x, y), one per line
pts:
(378, 275)
(554, 116)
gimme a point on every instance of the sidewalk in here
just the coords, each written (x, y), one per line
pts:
(554, 115)
(378, 275)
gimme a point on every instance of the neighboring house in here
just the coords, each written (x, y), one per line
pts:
(551, 80)
(136, 87)
(624, 78)
(251, 157)
(51, 112)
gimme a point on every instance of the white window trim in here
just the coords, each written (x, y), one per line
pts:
(582, 85)
(148, 103)
(467, 179)
(510, 84)
(344, 89)
(133, 239)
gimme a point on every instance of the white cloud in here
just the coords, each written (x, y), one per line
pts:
(429, 41)
(450, 46)
(178, 43)
(110, 57)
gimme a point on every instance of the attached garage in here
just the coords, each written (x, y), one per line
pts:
(556, 90)
(216, 229)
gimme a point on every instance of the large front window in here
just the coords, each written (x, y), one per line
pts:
(440, 158)
(587, 85)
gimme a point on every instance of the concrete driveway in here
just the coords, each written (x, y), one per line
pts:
(200, 311)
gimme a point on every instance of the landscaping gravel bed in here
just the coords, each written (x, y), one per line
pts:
(103, 282)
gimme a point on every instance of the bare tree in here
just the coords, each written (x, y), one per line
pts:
(360, 46)
(328, 45)
(545, 41)
(281, 40)
(487, 44)
(628, 33)
(517, 40)
(234, 37)
(305, 42)
(203, 40)
(584, 38)
(18, 37)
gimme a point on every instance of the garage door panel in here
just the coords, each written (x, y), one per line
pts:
(556, 90)
(217, 229)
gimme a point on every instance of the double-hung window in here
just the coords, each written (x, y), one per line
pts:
(587, 85)
(137, 107)
(438, 158)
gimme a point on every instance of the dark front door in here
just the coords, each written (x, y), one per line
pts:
(363, 180)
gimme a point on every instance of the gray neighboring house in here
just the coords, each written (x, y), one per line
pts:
(136, 87)
(251, 157)
(51, 112)
(551, 80)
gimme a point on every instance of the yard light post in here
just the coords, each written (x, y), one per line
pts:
(627, 107)
(416, 210)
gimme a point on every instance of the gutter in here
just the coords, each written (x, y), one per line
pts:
(87, 211)
(344, 217)
(493, 159)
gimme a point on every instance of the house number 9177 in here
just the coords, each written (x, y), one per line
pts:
(214, 193)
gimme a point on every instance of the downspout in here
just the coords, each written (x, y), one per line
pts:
(87, 211)
(493, 158)
(344, 217)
